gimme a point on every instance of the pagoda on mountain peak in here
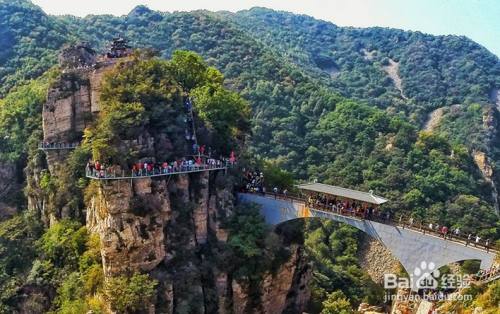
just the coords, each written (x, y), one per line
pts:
(119, 48)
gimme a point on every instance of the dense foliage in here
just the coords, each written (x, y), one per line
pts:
(332, 248)
(146, 96)
(295, 73)
(29, 40)
(130, 294)
(422, 173)
(20, 117)
(485, 297)
(17, 252)
(435, 70)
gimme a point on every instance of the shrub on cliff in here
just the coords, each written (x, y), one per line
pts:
(81, 291)
(63, 243)
(130, 294)
(247, 232)
(336, 303)
(225, 113)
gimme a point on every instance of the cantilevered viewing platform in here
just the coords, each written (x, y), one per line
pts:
(141, 174)
(57, 146)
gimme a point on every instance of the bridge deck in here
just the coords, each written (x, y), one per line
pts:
(412, 247)
(419, 228)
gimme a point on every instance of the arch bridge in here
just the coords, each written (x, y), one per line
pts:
(411, 246)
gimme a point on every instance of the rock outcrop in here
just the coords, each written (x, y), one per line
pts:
(376, 259)
(434, 119)
(170, 227)
(72, 104)
(285, 291)
(392, 70)
(288, 287)
(77, 56)
(484, 165)
(130, 241)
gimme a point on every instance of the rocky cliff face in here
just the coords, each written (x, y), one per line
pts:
(169, 227)
(72, 104)
(482, 160)
(284, 291)
(179, 218)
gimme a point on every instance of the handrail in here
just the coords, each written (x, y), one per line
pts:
(140, 174)
(403, 224)
(485, 276)
(57, 146)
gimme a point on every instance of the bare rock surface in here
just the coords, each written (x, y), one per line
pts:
(376, 259)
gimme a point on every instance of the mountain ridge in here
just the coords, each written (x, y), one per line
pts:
(323, 107)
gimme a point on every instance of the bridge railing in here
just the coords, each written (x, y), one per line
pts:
(400, 222)
(57, 146)
(113, 174)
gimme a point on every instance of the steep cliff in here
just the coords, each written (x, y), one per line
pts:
(173, 228)
(71, 106)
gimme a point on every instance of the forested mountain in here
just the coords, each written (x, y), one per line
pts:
(345, 106)
(435, 70)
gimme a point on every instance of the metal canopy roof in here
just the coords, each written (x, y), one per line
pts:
(343, 192)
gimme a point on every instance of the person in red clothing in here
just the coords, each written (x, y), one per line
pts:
(149, 167)
(202, 149)
(97, 166)
(444, 231)
(232, 157)
(198, 161)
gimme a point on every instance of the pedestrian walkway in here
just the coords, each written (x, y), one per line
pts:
(411, 247)
(57, 146)
(144, 173)
(486, 276)
(401, 223)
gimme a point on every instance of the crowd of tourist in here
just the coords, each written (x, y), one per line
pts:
(254, 181)
(446, 233)
(343, 206)
(367, 211)
(96, 169)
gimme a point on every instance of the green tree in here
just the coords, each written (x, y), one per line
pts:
(225, 112)
(336, 303)
(63, 243)
(130, 294)
(189, 69)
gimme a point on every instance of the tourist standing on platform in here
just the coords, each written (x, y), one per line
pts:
(444, 231)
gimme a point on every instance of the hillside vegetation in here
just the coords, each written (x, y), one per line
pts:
(322, 107)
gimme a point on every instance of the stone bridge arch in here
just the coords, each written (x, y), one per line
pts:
(410, 247)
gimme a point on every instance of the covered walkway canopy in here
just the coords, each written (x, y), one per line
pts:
(343, 192)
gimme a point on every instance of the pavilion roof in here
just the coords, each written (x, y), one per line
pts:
(367, 197)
